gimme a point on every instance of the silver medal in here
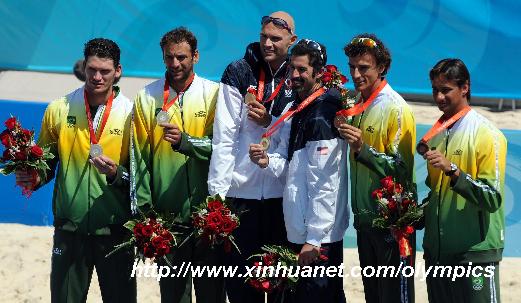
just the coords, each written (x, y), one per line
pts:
(95, 150)
(162, 117)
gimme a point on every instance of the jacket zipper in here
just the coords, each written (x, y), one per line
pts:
(356, 171)
(186, 158)
(439, 195)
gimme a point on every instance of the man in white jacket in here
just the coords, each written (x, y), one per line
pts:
(240, 119)
(314, 158)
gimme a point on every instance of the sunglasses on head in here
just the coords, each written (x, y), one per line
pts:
(365, 41)
(313, 44)
(277, 22)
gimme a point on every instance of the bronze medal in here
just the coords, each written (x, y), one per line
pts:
(422, 148)
(339, 120)
(265, 143)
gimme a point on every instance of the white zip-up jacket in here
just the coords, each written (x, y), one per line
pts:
(313, 158)
(232, 174)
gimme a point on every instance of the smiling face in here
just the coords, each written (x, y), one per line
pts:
(179, 62)
(366, 74)
(275, 43)
(449, 97)
(302, 77)
(100, 75)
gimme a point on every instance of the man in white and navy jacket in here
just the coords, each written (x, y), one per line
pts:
(236, 126)
(314, 159)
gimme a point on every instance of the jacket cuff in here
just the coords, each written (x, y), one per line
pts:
(182, 145)
(460, 185)
(364, 156)
(118, 179)
(314, 239)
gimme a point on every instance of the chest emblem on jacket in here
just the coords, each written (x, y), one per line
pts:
(71, 121)
(458, 152)
(200, 114)
(116, 131)
(370, 129)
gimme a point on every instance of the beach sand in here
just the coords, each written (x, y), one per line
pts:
(25, 254)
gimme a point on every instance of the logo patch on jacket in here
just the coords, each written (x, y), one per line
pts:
(71, 121)
(200, 114)
(117, 132)
(458, 152)
(288, 93)
(370, 129)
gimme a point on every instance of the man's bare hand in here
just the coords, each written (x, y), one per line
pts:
(258, 155)
(308, 254)
(172, 134)
(258, 113)
(352, 135)
(105, 166)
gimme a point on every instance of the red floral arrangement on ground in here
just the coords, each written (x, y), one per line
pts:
(22, 153)
(397, 211)
(265, 279)
(151, 235)
(214, 223)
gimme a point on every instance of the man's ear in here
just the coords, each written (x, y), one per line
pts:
(380, 69)
(119, 70)
(465, 90)
(196, 56)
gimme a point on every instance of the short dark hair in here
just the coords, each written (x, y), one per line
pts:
(369, 43)
(453, 70)
(179, 35)
(315, 51)
(103, 48)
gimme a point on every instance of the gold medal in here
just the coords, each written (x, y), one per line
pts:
(339, 120)
(265, 143)
(249, 98)
(162, 117)
(95, 150)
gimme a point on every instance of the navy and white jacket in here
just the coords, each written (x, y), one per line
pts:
(232, 174)
(313, 158)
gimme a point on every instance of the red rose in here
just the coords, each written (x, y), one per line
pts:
(163, 249)
(398, 188)
(156, 241)
(229, 225)
(198, 221)
(269, 259)
(27, 134)
(387, 183)
(149, 250)
(377, 194)
(409, 229)
(147, 230)
(166, 235)
(7, 155)
(11, 123)
(214, 218)
(215, 205)
(331, 68)
(391, 205)
(138, 233)
(326, 77)
(6, 138)
(266, 286)
(343, 79)
(36, 151)
(20, 156)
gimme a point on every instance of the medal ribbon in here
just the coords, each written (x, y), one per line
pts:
(166, 93)
(106, 113)
(442, 124)
(290, 113)
(260, 89)
(362, 106)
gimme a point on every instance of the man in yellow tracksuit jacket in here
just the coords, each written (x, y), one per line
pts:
(382, 140)
(91, 193)
(170, 158)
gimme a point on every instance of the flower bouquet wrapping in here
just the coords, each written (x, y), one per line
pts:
(152, 235)
(22, 153)
(397, 211)
(333, 78)
(214, 222)
(265, 276)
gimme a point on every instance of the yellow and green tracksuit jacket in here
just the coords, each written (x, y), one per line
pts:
(464, 221)
(389, 135)
(83, 200)
(173, 178)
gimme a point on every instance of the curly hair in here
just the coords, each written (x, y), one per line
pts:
(369, 43)
(315, 51)
(179, 35)
(453, 70)
(102, 48)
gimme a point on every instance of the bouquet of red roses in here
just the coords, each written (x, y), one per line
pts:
(397, 211)
(266, 279)
(333, 78)
(22, 153)
(151, 235)
(214, 223)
